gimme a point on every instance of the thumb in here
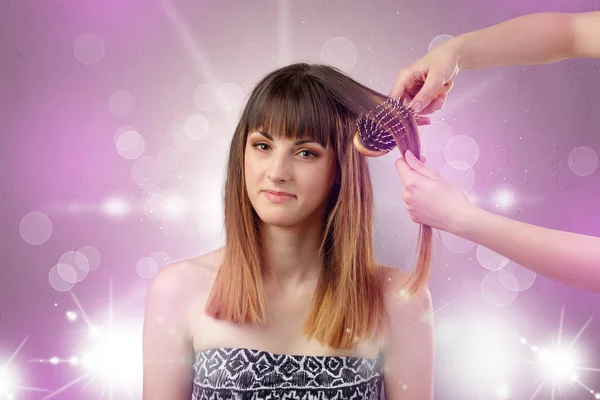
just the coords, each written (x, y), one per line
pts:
(400, 84)
(415, 164)
(403, 168)
(424, 97)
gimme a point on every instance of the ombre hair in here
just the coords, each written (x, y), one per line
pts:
(321, 103)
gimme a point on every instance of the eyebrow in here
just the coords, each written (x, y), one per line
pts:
(298, 142)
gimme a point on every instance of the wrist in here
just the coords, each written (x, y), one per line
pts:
(466, 223)
(459, 45)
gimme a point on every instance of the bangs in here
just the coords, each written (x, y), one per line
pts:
(296, 107)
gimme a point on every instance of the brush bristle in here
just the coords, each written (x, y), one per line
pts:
(377, 129)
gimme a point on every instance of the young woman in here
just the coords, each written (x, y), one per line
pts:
(294, 305)
(543, 38)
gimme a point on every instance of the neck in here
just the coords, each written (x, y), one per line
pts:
(291, 256)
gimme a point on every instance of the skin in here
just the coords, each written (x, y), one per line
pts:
(533, 39)
(292, 230)
(566, 257)
(175, 328)
(285, 167)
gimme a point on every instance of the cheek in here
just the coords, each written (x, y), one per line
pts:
(247, 173)
(252, 177)
(320, 183)
(248, 166)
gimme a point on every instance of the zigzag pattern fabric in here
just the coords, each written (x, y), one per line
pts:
(248, 374)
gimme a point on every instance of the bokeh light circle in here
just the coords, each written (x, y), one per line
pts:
(146, 267)
(35, 228)
(92, 255)
(121, 129)
(196, 127)
(435, 137)
(516, 277)
(56, 280)
(230, 96)
(130, 145)
(120, 103)
(78, 262)
(456, 244)
(339, 52)
(583, 161)
(161, 258)
(465, 178)
(89, 49)
(205, 97)
(494, 292)
(436, 41)
(67, 273)
(489, 259)
(461, 152)
(146, 171)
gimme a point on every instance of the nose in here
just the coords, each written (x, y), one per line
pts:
(279, 168)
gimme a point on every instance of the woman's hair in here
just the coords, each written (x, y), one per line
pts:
(322, 103)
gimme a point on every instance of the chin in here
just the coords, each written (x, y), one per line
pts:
(281, 219)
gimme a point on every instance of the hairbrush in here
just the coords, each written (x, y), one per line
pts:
(379, 131)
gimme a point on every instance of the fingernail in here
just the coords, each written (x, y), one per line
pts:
(416, 107)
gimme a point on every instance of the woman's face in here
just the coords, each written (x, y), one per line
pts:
(303, 169)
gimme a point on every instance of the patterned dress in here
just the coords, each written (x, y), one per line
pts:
(248, 374)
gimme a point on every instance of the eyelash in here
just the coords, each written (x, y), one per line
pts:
(313, 154)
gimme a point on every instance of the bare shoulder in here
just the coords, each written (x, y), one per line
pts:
(393, 282)
(408, 342)
(178, 280)
(168, 351)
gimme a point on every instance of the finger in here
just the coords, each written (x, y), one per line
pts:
(418, 166)
(414, 83)
(400, 84)
(420, 120)
(426, 94)
(403, 168)
(403, 96)
(446, 87)
(434, 106)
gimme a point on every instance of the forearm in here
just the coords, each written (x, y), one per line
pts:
(566, 257)
(532, 39)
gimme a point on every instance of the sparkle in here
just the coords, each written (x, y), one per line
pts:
(9, 379)
(108, 354)
(71, 315)
(559, 363)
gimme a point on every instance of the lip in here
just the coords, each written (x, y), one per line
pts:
(278, 197)
(279, 193)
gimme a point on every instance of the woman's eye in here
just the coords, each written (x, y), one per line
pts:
(310, 153)
(258, 145)
(305, 153)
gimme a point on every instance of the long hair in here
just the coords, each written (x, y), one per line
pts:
(320, 102)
